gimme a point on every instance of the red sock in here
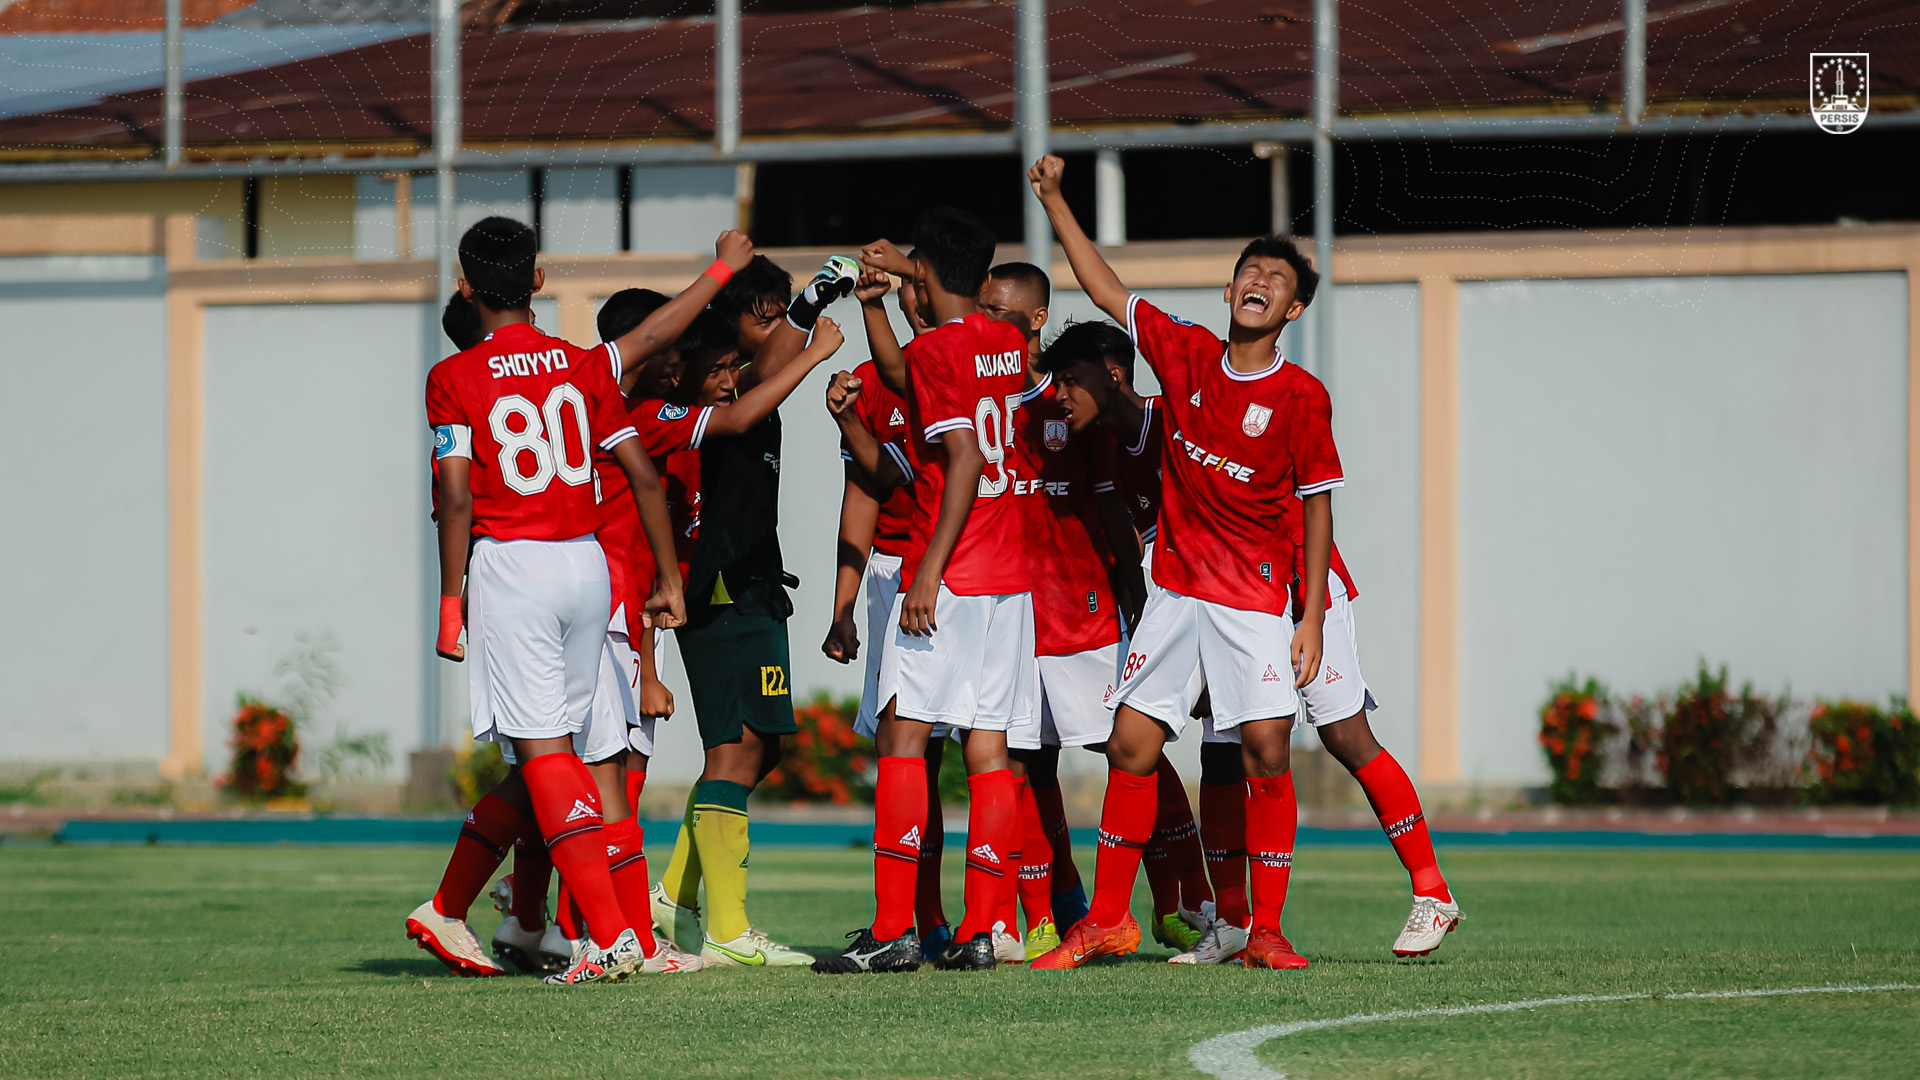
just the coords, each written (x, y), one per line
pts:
(1053, 818)
(1175, 829)
(1008, 910)
(1397, 806)
(1036, 861)
(1126, 822)
(1223, 833)
(568, 806)
(899, 830)
(627, 863)
(532, 875)
(992, 821)
(566, 914)
(928, 910)
(1272, 818)
(1161, 881)
(489, 831)
(636, 783)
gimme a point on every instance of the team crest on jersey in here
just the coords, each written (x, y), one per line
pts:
(1255, 422)
(673, 412)
(1055, 434)
(1181, 321)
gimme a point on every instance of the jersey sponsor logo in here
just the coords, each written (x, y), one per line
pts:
(988, 365)
(527, 363)
(1195, 399)
(1178, 319)
(1333, 676)
(1208, 460)
(1055, 435)
(1093, 600)
(1270, 675)
(773, 681)
(581, 812)
(1266, 571)
(912, 838)
(896, 420)
(673, 412)
(1255, 422)
(986, 852)
(1059, 489)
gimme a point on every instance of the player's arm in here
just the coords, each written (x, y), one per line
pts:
(859, 510)
(655, 699)
(662, 328)
(1307, 641)
(1129, 582)
(453, 480)
(964, 462)
(667, 606)
(875, 462)
(887, 357)
(758, 403)
(1090, 268)
(789, 339)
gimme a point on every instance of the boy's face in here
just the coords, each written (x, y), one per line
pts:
(910, 307)
(1085, 389)
(923, 279)
(754, 326)
(1260, 297)
(1009, 302)
(720, 380)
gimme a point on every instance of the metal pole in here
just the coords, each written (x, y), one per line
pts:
(1633, 65)
(1034, 120)
(172, 60)
(446, 146)
(1326, 91)
(1109, 198)
(1279, 195)
(726, 77)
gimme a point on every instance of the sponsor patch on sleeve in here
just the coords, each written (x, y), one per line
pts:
(452, 440)
(673, 412)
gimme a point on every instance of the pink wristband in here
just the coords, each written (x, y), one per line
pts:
(719, 271)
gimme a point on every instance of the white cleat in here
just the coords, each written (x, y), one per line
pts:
(453, 941)
(1007, 948)
(752, 949)
(518, 946)
(676, 920)
(1427, 926)
(1220, 943)
(1199, 919)
(668, 959)
(558, 952)
(611, 964)
(502, 894)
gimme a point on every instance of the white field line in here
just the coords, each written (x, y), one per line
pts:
(1231, 1056)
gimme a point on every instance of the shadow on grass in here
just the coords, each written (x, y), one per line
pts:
(413, 967)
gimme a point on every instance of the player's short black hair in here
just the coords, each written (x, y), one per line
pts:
(1275, 246)
(753, 288)
(957, 245)
(496, 258)
(627, 309)
(1096, 342)
(711, 334)
(1026, 275)
(460, 321)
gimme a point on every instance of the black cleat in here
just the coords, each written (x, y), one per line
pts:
(973, 954)
(868, 953)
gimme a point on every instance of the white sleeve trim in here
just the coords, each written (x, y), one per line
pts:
(700, 426)
(1151, 531)
(1324, 485)
(619, 437)
(899, 455)
(1133, 331)
(846, 455)
(934, 431)
(613, 355)
(1104, 485)
(1146, 427)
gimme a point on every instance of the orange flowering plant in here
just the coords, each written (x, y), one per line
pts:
(1573, 724)
(1862, 753)
(266, 749)
(828, 762)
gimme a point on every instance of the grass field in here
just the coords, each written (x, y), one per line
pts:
(151, 962)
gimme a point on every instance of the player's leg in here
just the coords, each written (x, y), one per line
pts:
(899, 824)
(1007, 946)
(439, 926)
(929, 911)
(1036, 856)
(1176, 841)
(1223, 836)
(1069, 895)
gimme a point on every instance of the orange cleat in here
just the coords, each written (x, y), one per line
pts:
(1086, 941)
(1269, 948)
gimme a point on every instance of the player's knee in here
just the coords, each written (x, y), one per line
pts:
(1265, 757)
(1350, 741)
(1043, 768)
(1220, 764)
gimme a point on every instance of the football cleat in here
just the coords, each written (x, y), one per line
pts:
(453, 941)
(1199, 919)
(752, 948)
(519, 947)
(1041, 938)
(611, 964)
(1427, 926)
(669, 960)
(867, 953)
(935, 943)
(1070, 907)
(1006, 947)
(974, 954)
(1172, 931)
(558, 952)
(502, 894)
(676, 920)
(1269, 948)
(1221, 943)
(1086, 941)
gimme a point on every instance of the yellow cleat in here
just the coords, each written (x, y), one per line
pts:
(1042, 939)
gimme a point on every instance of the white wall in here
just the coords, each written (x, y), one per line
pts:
(580, 212)
(83, 640)
(1654, 471)
(681, 208)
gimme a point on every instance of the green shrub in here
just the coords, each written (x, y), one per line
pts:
(1864, 754)
(1573, 730)
(828, 763)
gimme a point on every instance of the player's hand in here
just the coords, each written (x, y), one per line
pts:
(1307, 641)
(452, 620)
(827, 338)
(734, 249)
(667, 607)
(916, 609)
(873, 285)
(656, 701)
(842, 392)
(843, 641)
(883, 255)
(1045, 177)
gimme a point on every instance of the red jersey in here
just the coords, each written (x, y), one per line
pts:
(884, 414)
(1134, 468)
(629, 557)
(1314, 413)
(1235, 464)
(528, 410)
(967, 374)
(1067, 551)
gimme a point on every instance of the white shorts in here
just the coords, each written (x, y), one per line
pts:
(617, 724)
(1183, 643)
(640, 735)
(1339, 691)
(536, 631)
(1073, 699)
(975, 672)
(883, 582)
